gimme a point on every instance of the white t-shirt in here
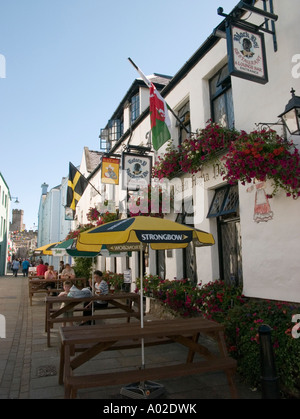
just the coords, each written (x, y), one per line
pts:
(101, 288)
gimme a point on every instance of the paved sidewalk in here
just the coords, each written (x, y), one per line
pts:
(29, 369)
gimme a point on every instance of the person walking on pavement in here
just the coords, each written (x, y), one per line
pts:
(25, 267)
(15, 267)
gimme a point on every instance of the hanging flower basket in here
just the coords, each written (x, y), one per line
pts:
(264, 155)
(197, 150)
(73, 234)
(168, 166)
(205, 147)
(96, 218)
(99, 218)
(149, 203)
(261, 155)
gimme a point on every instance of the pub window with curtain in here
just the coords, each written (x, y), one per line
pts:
(221, 98)
(184, 126)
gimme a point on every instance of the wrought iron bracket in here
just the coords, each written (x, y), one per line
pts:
(242, 6)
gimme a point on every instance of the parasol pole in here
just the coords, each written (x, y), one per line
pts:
(93, 284)
(142, 301)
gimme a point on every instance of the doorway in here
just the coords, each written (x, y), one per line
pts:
(230, 251)
(225, 208)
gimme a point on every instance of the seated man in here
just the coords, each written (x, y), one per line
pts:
(68, 272)
(100, 288)
(41, 269)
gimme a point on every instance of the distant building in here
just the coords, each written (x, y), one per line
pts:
(23, 243)
(52, 223)
(4, 220)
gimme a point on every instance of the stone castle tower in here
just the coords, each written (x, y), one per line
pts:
(17, 220)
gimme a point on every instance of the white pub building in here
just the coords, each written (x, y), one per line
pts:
(241, 78)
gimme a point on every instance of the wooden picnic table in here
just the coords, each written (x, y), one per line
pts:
(38, 284)
(92, 340)
(121, 300)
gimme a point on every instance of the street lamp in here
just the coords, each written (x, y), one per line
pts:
(291, 116)
(16, 199)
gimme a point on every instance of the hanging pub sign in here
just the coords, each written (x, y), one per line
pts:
(110, 171)
(246, 53)
(136, 171)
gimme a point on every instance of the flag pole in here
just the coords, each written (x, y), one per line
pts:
(89, 182)
(148, 83)
(94, 187)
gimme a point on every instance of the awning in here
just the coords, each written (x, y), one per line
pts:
(44, 250)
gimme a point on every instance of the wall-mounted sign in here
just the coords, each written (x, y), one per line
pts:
(246, 53)
(110, 171)
(69, 214)
(127, 276)
(136, 171)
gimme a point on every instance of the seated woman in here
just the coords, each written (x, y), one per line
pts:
(50, 274)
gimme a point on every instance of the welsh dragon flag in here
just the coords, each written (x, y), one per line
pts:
(160, 120)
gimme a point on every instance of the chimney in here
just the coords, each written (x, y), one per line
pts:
(44, 188)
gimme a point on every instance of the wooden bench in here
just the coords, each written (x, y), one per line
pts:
(129, 344)
(228, 365)
(38, 285)
(122, 301)
(96, 339)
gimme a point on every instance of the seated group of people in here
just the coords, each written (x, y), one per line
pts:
(67, 273)
(46, 270)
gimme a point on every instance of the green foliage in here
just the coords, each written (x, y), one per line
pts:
(242, 337)
(241, 317)
(114, 279)
(216, 298)
(176, 295)
(150, 284)
(83, 267)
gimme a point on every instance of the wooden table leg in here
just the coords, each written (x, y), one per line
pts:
(61, 364)
(191, 353)
(30, 293)
(231, 383)
(230, 374)
(130, 308)
(67, 371)
(47, 324)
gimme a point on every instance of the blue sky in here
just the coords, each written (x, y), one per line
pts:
(67, 71)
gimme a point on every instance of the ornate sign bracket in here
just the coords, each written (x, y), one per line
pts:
(248, 5)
